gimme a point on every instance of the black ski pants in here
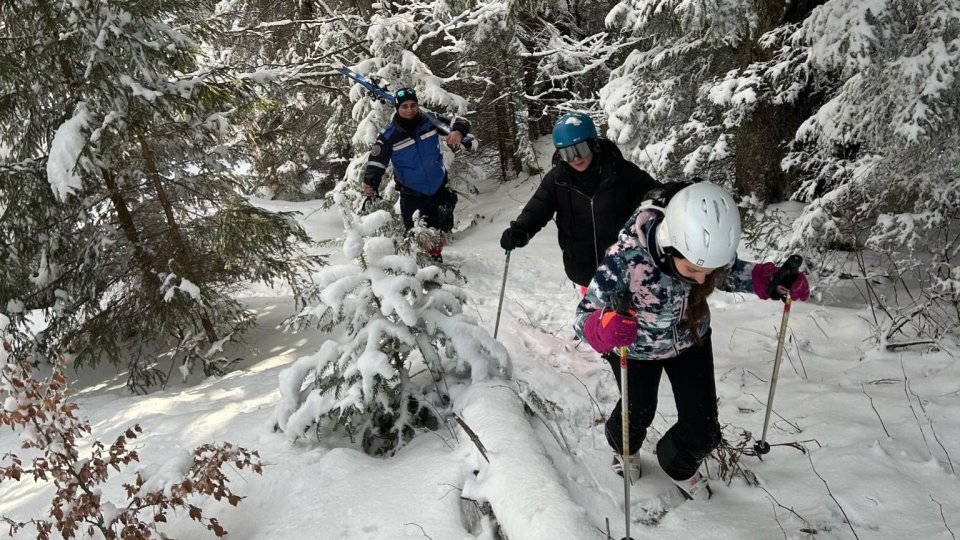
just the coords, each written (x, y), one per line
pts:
(436, 210)
(697, 431)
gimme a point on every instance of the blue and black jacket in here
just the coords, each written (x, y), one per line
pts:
(417, 158)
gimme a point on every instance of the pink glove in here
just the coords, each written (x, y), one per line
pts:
(605, 330)
(762, 275)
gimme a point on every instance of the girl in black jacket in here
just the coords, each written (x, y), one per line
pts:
(591, 189)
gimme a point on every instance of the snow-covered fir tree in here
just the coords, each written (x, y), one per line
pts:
(525, 63)
(299, 133)
(387, 319)
(125, 219)
(877, 158)
(654, 100)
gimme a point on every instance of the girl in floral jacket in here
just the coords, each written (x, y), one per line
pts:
(668, 259)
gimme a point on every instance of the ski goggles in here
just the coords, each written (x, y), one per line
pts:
(406, 92)
(570, 153)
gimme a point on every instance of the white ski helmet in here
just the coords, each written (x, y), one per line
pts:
(702, 224)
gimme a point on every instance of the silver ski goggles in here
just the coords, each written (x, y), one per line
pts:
(570, 153)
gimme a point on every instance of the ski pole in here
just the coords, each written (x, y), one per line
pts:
(779, 289)
(503, 287)
(622, 306)
(625, 434)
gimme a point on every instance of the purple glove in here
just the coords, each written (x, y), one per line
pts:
(762, 275)
(605, 330)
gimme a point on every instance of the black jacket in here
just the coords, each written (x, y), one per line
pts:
(591, 207)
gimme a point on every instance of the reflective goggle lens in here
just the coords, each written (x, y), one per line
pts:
(403, 92)
(570, 153)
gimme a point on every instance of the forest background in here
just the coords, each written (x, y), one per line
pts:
(133, 136)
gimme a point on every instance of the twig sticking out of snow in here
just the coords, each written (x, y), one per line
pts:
(473, 436)
(829, 492)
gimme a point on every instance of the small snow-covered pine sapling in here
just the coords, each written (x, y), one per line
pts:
(384, 315)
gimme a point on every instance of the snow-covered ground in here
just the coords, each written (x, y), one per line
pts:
(866, 441)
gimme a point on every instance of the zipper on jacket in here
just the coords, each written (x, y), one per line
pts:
(597, 258)
(676, 337)
(593, 224)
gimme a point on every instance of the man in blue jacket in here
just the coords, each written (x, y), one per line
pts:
(412, 143)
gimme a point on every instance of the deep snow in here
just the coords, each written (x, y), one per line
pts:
(880, 430)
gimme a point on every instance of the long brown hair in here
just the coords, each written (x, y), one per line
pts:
(698, 309)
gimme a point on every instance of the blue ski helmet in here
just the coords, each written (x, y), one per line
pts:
(572, 128)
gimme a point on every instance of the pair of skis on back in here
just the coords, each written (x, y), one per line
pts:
(382, 94)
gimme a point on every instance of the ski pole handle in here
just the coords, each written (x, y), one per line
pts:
(623, 303)
(780, 283)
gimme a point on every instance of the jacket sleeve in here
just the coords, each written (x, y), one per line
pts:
(739, 278)
(540, 209)
(611, 276)
(461, 124)
(456, 123)
(642, 181)
(377, 163)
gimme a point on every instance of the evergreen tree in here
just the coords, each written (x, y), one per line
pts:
(654, 100)
(878, 160)
(386, 317)
(525, 63)
(299, 133)
(668, 105)
(124, 220)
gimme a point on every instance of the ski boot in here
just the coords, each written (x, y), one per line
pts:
(695, 488)
(633, 466)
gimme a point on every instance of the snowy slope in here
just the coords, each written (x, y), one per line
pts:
(880, 431)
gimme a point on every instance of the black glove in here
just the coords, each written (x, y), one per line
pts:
(513, 239)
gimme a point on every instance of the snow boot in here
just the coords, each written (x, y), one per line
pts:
(434, 252)
(633, 465)
(695, 488)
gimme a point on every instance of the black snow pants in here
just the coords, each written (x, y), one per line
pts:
(697, 431)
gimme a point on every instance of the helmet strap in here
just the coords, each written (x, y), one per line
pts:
(663, 255)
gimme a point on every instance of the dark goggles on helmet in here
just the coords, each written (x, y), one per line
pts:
(406, 92)
(570, 153)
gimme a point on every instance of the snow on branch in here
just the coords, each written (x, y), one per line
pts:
(384, 315)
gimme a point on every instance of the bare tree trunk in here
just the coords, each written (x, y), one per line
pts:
(61, 59)
(129, 229)
(534, 111)
(762, 143)
(503, 112)
(183, 256)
